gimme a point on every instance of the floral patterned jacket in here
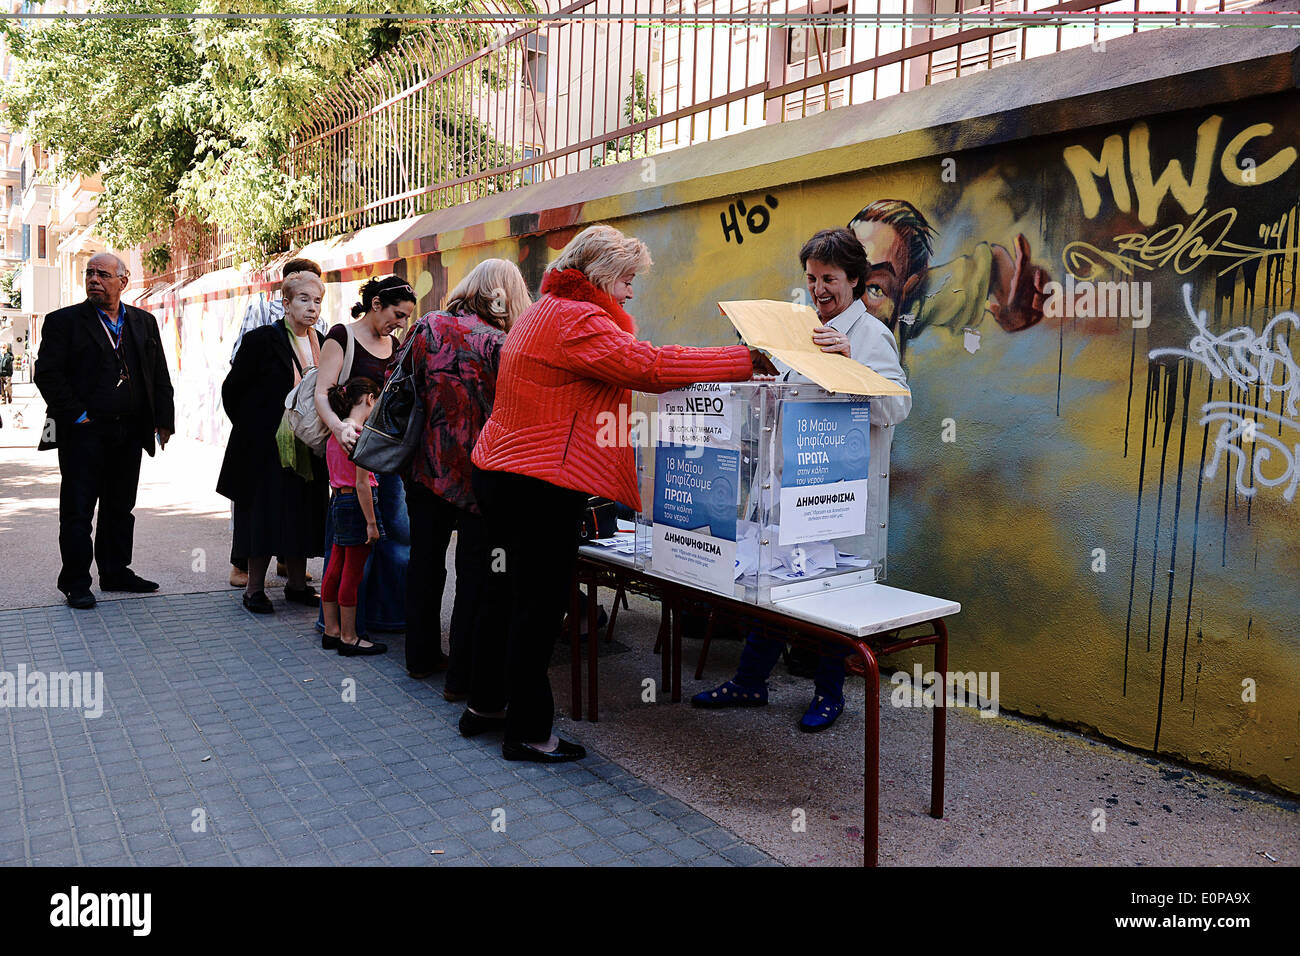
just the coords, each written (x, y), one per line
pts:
(455, 359)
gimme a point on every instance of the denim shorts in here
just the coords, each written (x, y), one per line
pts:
(349, 520)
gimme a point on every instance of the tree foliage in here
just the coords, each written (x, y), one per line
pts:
(191, 117)
(638, 106)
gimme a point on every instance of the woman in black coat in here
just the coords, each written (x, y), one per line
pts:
(277, 510)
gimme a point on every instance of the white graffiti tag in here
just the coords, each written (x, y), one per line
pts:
(1250, 360)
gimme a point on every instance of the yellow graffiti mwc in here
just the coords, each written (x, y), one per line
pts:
(1150, 189)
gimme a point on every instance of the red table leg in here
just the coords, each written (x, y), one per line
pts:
(664, 646)
(704, 648)
(871, 755)
(575, 654)
(677, 654)
(593, 643)
(940, 723)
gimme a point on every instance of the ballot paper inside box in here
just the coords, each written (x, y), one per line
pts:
(759, 490)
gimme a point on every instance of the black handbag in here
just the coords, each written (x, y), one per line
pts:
(390, 435)
(599, 519)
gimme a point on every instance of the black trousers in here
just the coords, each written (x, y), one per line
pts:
(433, 518)
(99, 462)
(532, 552)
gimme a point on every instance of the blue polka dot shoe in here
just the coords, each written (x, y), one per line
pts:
(730, 694)
(821, 713)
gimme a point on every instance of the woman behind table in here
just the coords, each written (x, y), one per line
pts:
(838, 274)
(354, 516)
(566, 368)
(454, 357)
(277, 485)
(386, 305)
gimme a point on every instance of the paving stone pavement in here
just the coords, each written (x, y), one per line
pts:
(213, 716)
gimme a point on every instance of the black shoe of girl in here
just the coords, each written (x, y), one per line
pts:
(358, 650)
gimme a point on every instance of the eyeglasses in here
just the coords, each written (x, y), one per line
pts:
(101, 274)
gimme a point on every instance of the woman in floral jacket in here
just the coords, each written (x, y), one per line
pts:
(454, 357)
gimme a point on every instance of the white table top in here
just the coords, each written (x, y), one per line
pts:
(867, 608)
(856, 609)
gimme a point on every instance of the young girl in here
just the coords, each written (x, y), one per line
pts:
(355, 516)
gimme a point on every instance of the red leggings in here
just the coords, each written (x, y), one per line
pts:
(343, 577)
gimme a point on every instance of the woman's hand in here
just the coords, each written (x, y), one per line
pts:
(346, 433)
(829, 340)
(762, 364)
(372, 532)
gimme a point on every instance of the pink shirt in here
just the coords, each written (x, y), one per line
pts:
(343, 473)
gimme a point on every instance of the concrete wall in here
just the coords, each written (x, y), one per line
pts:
(1123, 540)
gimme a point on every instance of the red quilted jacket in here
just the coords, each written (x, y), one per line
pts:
(571, 356)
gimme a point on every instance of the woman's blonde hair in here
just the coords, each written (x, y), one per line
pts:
(298, 280)
(604, 255)
(494, 290)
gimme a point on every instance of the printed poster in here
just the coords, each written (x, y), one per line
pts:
(696, 497)
(697, 415)
(826, 448)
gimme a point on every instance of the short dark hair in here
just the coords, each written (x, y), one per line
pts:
(915, 231)
(343, 398)
(839, 247)
(299, 265)
(391, 290)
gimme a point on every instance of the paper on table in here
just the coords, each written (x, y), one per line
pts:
(784, 329)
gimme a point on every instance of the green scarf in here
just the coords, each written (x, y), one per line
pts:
(294, 454)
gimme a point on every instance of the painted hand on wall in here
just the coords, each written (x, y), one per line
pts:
(1016, 293)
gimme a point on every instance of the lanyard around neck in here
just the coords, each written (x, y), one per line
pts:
(115, 339)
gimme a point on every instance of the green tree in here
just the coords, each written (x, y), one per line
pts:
(192, 117)
(638, 106)
(9, 291)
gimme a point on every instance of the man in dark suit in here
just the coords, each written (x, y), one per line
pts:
(103, 375)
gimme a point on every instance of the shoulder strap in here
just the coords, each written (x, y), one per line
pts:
(349, 351)
(312, 335)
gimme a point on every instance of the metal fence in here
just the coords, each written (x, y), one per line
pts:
(433, 125)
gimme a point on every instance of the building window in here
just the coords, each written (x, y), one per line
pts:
(40, 242)
(535, 63)
(27, 242)
(801, 45)
(532, 174)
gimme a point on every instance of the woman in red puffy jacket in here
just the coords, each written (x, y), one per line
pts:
(567, 366)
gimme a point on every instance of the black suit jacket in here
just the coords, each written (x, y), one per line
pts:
(253, 395)
(72, 343)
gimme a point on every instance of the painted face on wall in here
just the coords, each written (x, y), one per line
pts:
(889, 279)
(830, 289)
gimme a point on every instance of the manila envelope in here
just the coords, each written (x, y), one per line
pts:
(784, 330)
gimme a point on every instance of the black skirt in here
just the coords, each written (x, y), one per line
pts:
(285, 516)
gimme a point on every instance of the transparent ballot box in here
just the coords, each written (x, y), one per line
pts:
(759, 490)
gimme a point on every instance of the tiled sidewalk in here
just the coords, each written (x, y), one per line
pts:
(226, 739)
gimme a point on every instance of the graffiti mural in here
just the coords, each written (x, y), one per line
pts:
(1104, 319)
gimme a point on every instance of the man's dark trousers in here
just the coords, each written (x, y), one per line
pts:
(100, 463)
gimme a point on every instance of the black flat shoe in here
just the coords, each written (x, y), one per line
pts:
(81, 600)
(356, 650)
(306, 597)
(472, 724)
(130, 582)
(329, 642)
(258, 603)
(564, 751)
